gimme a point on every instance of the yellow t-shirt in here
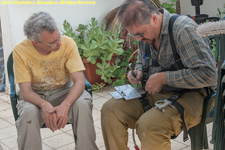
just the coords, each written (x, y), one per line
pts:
(46, 72)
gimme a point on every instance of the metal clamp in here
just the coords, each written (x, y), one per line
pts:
(162, 104)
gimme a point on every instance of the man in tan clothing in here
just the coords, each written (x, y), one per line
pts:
(154, 127)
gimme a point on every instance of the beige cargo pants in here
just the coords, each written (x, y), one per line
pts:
(154, 128)
(80, 114)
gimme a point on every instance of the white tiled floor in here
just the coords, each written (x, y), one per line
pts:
(63, 139)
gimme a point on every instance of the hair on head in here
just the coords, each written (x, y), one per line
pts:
(134, 12)
(38, 22)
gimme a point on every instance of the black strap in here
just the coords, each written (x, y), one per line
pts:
(178, 65)
(144, 101)
(145, 66)
(180, 108)
(178, 61)
(147, 51)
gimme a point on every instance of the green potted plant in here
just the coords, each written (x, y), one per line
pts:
(97, 47)
(221, 13)
(170, 6)
(128, 56)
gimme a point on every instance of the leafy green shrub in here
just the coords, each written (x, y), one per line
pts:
(97, 87)
(121, 73)
(94, 42)
(170, 7)
(221, 13)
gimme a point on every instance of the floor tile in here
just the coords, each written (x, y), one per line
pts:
(95, 96)
(209, 128)
(10, 120)
(105, 91)
(3, 123)
(177, 145)
(46, 133)
(102, 148)
(186, 148)
(96, 114)
(58, 140)
(5, 106)
(5, 97)
(70, 132)
(210, 145)
(98, 123)
(99, 140)
(131, 145)
(179, 139)
(70, 146)
(99, 103)
(45, 147)
(1, 101)
(8, 132)
(4, 147)
(67, 127)
(2, 93)
(98, 130)
(6, 113)
(10, 142)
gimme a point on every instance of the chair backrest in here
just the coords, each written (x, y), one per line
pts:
(13, 96)
(218, 135)
(198, 133)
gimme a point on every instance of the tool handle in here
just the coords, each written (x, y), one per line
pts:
(136, 148)
(133, 74)
(132, 70)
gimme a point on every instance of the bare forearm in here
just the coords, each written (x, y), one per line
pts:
(32, 97)
(74, 93)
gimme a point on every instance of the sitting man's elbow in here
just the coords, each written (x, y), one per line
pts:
(212, 79)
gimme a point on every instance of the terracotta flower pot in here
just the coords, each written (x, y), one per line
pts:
(90, 72)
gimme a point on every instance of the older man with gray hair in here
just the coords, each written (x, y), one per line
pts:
(48, 69)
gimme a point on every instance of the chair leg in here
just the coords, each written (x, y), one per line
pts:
(196, 134)
(205, 139)
(75, 137)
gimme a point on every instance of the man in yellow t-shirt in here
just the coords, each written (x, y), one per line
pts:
(48, 69)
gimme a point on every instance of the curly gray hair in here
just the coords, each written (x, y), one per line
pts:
(38, 22)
